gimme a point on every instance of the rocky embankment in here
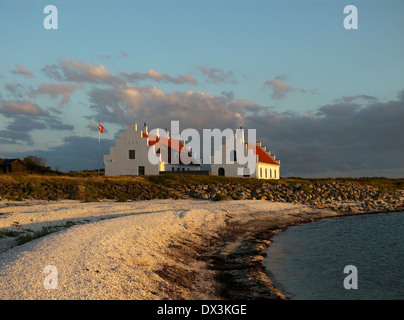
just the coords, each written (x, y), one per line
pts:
(343, 197)
(337, 196)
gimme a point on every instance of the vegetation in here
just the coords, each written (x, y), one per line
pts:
(89, 186)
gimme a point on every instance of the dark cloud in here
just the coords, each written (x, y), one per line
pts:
(55, 124)
(19, 130)
(15, 137)
(341, 139)
(76, 153)
(363, 139)
(26, 124)
(15, 89)
(352, 135)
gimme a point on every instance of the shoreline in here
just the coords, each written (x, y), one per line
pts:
(207, 250)
(249, 255)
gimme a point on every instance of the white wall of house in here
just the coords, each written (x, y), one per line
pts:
(226, 165)
(118, 161)
(130, 156)
(229, 167)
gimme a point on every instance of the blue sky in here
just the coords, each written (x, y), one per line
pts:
(285, 68)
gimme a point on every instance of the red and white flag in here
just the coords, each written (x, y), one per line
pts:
(101, 128)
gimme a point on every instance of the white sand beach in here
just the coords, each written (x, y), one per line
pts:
(122, 250)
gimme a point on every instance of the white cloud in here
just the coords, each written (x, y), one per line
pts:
(56, 89)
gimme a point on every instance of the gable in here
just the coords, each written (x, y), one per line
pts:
(262, 155)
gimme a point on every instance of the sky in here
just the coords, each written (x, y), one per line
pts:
(326, 100)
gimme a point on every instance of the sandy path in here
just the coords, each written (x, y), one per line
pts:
(115, 250)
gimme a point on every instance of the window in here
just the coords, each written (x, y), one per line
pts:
(233, 156)
(275, 173)
(270, 173)
(140, 170)
(266, 173)
(221, 172)
(260, 173)
(172, 169)
(131, 154)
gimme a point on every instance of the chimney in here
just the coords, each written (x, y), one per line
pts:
(135, 126)
(242, 135)
(145, 128)
(168, 133)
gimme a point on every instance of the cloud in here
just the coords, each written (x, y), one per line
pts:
(348, 137)
(15, 89)
(13, 137)
(56, 89)
(19, 130)
(11, 108)
(75, 153)
(159, 77)
(341, 139)
(25, 124)
(194, 109)
(55, 124)
(104, 56)
(78, 71)
(279, 89)
(124, 53)
(22, 71)
(83, 148)
(216, 75)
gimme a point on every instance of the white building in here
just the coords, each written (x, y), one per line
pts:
(266, 165)
(131, 156)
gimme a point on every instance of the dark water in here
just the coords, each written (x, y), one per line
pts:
(308, 261)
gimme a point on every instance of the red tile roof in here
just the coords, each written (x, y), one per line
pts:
(168, 144)
(177, 146)
(262, 155)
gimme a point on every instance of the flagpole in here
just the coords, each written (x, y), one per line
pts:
(99, 142)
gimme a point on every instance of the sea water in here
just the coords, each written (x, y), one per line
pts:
(308, 261)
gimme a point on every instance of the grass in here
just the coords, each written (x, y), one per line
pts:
(9, 233)
(34, 235)
(91, 187)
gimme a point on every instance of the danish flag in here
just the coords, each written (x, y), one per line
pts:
(101, 128)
